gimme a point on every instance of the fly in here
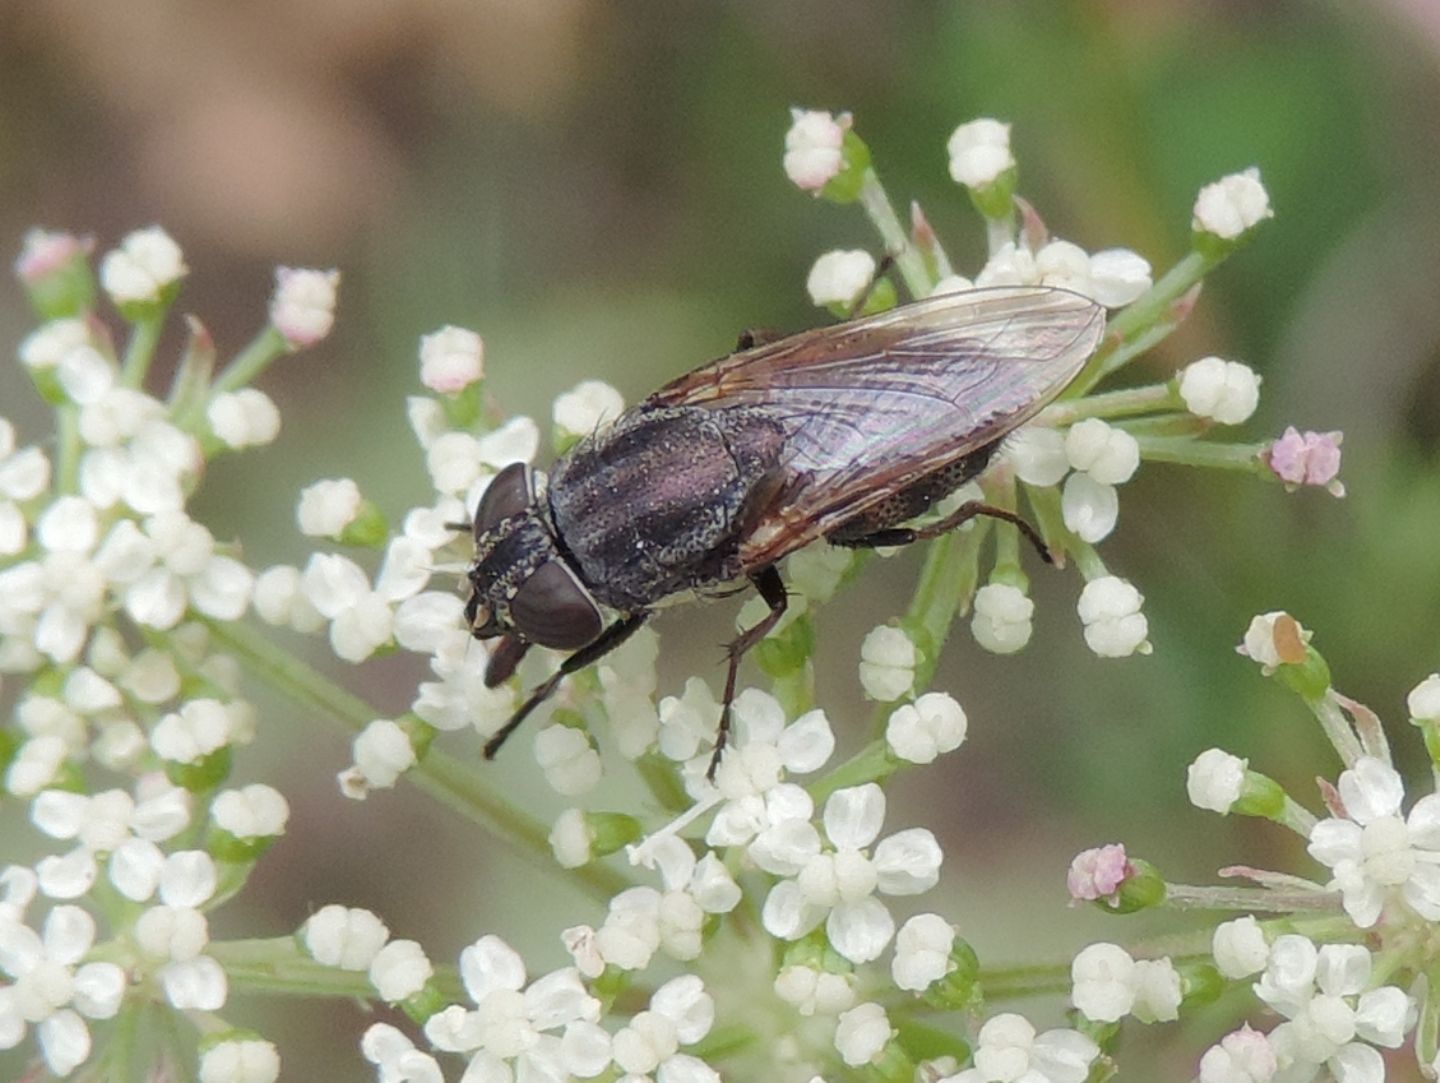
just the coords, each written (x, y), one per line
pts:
(843, 433)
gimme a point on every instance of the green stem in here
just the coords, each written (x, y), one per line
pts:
(1191, 897)
(1188, 451)
(1020, 982)
(1138, 318)
(445, 778)
(908, 259)
(140, 350)
(1129, 400)
(67, 458)
(280, 966)
(872, 763)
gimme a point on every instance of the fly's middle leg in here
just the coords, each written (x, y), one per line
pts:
(767, 581)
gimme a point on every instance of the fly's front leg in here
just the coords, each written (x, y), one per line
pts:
(904, 535)
(767, 581)
(606, 642)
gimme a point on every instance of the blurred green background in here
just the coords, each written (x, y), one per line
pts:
(597, 189)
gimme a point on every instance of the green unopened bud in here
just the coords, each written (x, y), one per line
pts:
(611, 831)
(958, 990)
(55, 270)
(204, 774)
(369, 528)
(1260, 795)
(233, 850)
(1144, 888)
(996, 200)
(422, 1005)
(844, 186)
(1200, 983)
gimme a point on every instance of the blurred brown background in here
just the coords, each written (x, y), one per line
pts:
(597, 189)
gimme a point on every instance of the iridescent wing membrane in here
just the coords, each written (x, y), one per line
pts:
(871, 406)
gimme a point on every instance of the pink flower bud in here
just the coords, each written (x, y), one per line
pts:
(45, 253)
(1308, 458)
(1098, 873)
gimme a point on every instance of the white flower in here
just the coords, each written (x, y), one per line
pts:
(302, 307)
(919, 732)
(1109, 609)
(862, 1033)
(1103, 982)
(570, 761)
(1118, 276)
(1242, 1056)
(1009, 1050)
(813, 992)
(171, 566)
(511, 1020)
(48, 344)
(396, 1057)
(240, 1060)
(1226, 391)
(680, 1013)
(888, 658)
(1240, 948)
(400, 970)
(278, 600)
(1275, 639)
(1038, 454)
(146, 262)
(586, 407)
(813, 147)
(383, 752)
(348, 938)
(763, 750)
(1107, 454)
(251, 812)
(1090, 508)
(244, 418)
(1232, 205)
(1158, 991)
(200, 728)
(1325, 996)
(100, 824)
(361, 620)
(451, 359)
(979, 152)
(922, 952)
(951, 284)
(840, 277)
(1215, 780)
(1002, 618)
(327, 507)
(460, 698)
(1374, 853)
(1423, 702)
(836, 885)
(50, 991)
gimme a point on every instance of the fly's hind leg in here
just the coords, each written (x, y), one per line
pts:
(963, 514)
(767, 581)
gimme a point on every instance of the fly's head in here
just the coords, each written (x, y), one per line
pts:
(522, 587)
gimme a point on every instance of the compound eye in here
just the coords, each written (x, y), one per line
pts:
(553, 608)
(512, 491)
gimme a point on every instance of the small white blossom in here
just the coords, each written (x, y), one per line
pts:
(681, 1013)
(1118, 276)
(451, 359)
(862, 1033)
(1109, 608)
(348, 938)
(1331, 1011)
(1001, 621)
(1275, 639)
(763, 750)
(244, 418)
(383, 752)
(1232, 205)
(399, 970)
(840, 277)
(813, 147)
(888, 658)
(1215, 780)
(50, 991)
(240, 1060)
(1242, 1056)
(586, 407)
(1240, 948)
(279, 600)
(48, 344)
(836, 885)
(327, 507)
(396, 1057)
(1225, 391)
(1107, 454)
(570, 761)
(1038, 454)
(919, 732)
(922, 952)
(200, 728)
(951, 284)
(302, 308)
(1103, 982)
(815, 992)
(361, 621)
(146, 262)
(1009, 1050)
(1423, 702)
(1374, 853)
(979, 152)
(251, 812)
(1090, 508)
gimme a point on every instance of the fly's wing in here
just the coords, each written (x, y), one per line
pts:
(870, 406)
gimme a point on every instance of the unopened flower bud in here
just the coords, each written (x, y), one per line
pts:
(840, 277)
(302, 308)
(813, 147)
(1109, 607)
(888, 658)
(1225, 391)
(1308, 458)
(145, 266)
(451, 359)
(1232, 206)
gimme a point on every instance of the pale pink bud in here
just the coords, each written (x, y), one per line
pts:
(1098, 873)
(1308, 458)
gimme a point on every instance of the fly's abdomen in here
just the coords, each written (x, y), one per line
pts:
(655, 504)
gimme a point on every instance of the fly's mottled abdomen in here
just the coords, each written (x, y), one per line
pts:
(657, 503)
